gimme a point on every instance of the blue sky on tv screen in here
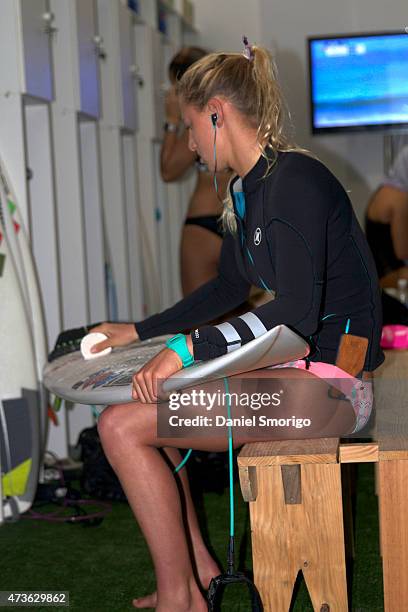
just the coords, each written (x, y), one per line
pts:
(360, 81)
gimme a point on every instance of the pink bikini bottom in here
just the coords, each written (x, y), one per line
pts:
(357, 391)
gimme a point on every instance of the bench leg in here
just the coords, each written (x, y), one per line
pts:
(296, 530)
(393, 498)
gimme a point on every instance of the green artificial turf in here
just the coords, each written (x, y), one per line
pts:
(104, 567)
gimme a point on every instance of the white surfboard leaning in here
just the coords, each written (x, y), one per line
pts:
(29, 282)
(108, 379)
(19, 396)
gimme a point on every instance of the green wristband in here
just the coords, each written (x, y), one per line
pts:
(178, 344)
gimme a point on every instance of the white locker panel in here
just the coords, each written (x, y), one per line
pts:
(146, 62)
(13, 148)
(134, 227)
(176, 215)
(25, 65)
(44, 232)
(163, 231)
(160, 81)
(148, 12)
(151, 275)
(175, 30)
(169, 51)
(76, 61)
(127, 69)
(118, 69)
(71, 234)
(36, 29)
(115, 214)
(94, 235)
(89, 89)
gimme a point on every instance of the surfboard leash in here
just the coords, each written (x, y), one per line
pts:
(218, 584)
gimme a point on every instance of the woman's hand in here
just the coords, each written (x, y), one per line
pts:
(172, 106)
(147, 381)
(119, 334)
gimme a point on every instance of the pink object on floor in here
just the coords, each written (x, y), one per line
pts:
(394, 337)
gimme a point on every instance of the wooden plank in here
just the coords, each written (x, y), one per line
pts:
(393, 447)
(287, 538)
(394, 366)
(292, 485)
(391, 403)
(394, 454)
(322, 532)
(348, 494)
(393, 498)
(248, 482)
(358, 453)
(289, 452)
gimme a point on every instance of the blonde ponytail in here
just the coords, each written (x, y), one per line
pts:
(250, 84)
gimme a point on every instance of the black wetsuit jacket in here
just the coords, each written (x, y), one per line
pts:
(300, 238)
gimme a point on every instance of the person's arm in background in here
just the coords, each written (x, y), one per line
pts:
(175, 157)
(391, 202)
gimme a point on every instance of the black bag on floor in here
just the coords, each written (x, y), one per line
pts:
(208, 472)
(98, 479)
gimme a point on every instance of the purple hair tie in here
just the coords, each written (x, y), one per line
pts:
(248, 51)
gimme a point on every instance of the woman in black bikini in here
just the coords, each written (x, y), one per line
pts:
(202, 236)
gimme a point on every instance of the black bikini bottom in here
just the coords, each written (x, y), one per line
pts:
(211, 223)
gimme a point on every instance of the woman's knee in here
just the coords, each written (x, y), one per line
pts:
(110, 424)
(122, 422)
(113, 424)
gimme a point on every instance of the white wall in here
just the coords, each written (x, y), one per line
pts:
(357, 159)
(282, 26)
(222, 23)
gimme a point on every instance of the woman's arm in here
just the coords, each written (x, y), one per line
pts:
(389, 204)
(296, 236)
(220, 295)
(213, 299)
(175, 156)
(399, 219)
(299, 273)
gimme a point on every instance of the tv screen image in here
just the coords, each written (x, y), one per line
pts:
(358, 81)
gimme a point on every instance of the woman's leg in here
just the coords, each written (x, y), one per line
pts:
(200, 253)
(205, 566)
(129, 436)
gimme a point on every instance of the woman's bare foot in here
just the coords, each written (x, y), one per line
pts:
(189, 599)
(205, 575)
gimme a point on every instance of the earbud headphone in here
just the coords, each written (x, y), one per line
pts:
(214, 118)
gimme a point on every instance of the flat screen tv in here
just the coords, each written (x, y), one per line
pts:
(358, 81)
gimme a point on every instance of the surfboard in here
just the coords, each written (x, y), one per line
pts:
(107, 379)
(20, 434)
(27, 273)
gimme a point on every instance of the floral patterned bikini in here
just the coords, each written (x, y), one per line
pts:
(359, 392)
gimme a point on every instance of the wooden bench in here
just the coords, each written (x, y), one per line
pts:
(294, 489)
